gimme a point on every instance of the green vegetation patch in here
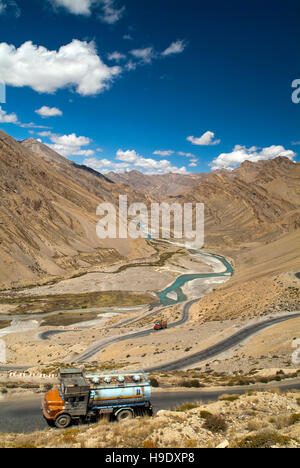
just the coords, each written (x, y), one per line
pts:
(63, 320)
(154, 382)
(190, 384)
(44, 304)
(186, 407)
(205, 414)
(229, 397)
(263, 440)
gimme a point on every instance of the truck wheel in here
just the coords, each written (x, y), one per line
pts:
(124, 414)
(63, 421)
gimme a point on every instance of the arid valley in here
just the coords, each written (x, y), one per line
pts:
(149, 227)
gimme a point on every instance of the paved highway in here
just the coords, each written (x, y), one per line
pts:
(222, 346)
(189, 361)
(99, 346)
(25, 416)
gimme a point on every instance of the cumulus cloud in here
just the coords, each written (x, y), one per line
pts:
(8, 118)
(149, 165)
(145, 55)
(175, 48)
(105, 166)
(163, 153)
(117, 56)
(73, 65)
(46, 111)
(69, 145)
(109, 12)
(207, 139)
(130, 160)
(241, 154)
(76, 7)
(13, 119)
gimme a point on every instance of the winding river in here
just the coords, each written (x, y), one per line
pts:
(171, 295)
(166, 295)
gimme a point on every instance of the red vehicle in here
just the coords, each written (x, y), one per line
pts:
(161, 325)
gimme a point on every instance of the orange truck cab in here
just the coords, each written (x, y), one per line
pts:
(161, 325)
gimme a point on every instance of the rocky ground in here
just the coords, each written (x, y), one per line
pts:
(255, 420)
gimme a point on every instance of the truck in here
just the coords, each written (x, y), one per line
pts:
(85, 398)
(161, 325)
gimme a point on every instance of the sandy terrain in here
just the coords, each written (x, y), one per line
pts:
(138, 279)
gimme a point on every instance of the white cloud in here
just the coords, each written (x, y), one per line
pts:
(163, 153)
(105, 166)
(130, 66)
(70, 140)
(130, 160)
(13, 119)
(149, 165)
(45, 134)
(207, 139)
(109, 12)
(8, 118)
(241, 154)
(129, 156)
(175, 48)
(188, 155)
(69, 145)
(46, 111)
(31, 125)
(73, 65)
(145, 55)
(76, 7)
(85, 153)
(117, 56)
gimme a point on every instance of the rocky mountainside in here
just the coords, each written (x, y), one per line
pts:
(48, 215)
(159, 186)
(258, 202)
(48, 209)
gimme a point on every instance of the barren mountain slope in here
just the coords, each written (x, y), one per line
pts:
(159, 186)
(255, 203)
(48, 216)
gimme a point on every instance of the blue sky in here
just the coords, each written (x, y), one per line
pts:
(153, 86)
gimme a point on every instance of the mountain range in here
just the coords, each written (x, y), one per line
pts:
(48, 209)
